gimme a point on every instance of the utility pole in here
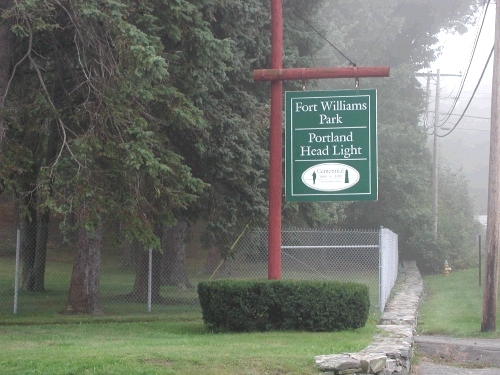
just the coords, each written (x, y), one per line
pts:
(490, 293)
(435, 169)
(435, 159)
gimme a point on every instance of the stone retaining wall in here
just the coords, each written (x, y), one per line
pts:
(392, 348)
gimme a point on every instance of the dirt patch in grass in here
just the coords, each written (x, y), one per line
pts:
(157, 362)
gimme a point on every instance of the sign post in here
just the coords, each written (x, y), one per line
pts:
(276, 75)
(275, 145)
(331, 145)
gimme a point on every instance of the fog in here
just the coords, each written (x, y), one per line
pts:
(466, 147)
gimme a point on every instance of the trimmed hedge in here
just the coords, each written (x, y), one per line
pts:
(243, 305)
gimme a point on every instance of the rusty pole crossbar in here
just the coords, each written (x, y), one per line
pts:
(320, 73)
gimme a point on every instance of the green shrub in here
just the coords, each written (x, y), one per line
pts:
(430, 254)
(283, 305)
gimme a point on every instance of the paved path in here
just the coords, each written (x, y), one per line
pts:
(472, 351)
(429, 368)
(440, 355)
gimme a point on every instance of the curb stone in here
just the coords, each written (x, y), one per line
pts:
(392, 349)
(474, 351)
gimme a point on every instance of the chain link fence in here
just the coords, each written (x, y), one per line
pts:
(35, 279)
(365, 256)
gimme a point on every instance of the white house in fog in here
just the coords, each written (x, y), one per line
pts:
(482, 219)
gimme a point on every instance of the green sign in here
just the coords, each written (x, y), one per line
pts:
(331, 145)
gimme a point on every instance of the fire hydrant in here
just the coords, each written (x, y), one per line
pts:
(447, 268)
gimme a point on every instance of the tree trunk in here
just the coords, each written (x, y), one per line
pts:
(140, 291)
(28, 245)
(129, 254)
(42, 236)
(215, 265)
(174, 256)
(84, 289)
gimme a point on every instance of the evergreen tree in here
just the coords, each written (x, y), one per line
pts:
(96, 71)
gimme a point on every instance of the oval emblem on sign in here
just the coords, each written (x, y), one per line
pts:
(330, 177)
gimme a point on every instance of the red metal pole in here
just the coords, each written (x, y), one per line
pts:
(318, 73)
(275, 145)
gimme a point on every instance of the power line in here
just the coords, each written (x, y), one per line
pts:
(383, 31)
(477, 117)
(470, 101)
(469, 64)
(476, 97)
(473, 52)
(473, 49)
(297, 14)
(428, 75)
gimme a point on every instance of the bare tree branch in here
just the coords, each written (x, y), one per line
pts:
(6, 46)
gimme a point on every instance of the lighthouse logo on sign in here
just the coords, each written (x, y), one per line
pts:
(330, 177)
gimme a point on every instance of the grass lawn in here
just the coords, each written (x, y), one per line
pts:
(179, 345)
(172, 339)
(452, 305)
